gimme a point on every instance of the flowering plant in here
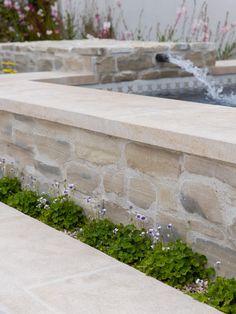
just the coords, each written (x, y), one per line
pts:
(29, 20)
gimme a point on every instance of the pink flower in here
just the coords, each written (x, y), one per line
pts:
(98, 18)
(17, 6)
(180, 12)
(106, 26)
(8, 3)
(225, 29)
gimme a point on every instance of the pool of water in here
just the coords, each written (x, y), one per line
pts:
(228, 97)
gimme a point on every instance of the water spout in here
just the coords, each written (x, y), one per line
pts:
(162, 58)
(212, 90)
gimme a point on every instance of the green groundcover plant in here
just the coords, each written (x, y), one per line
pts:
(9, 186)
(176, 264)
(126, 243)
(173, 263)
(221, 294)
(26, 202)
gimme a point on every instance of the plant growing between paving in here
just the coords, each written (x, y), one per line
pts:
(174, 263)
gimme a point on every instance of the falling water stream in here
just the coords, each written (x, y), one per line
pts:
(212, 90)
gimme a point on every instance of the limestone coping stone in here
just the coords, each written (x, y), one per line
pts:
(99, 46)
(203, 130)
(45, 271)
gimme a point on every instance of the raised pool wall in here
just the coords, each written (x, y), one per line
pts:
(174, 162)
(108, 60)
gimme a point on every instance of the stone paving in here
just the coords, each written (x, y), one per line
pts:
(44, 271)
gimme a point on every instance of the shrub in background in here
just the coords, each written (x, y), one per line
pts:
(29, 20)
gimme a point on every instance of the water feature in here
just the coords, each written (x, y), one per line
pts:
(213, 93)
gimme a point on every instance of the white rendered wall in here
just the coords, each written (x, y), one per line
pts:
(156, 11)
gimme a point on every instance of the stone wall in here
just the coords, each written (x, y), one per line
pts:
(109, 60)
(195, 194)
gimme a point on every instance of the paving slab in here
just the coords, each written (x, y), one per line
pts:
(44, 271)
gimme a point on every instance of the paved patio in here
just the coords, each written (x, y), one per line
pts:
(44, 271)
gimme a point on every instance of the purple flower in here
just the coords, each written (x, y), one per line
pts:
(71, 186)
(169, 226)
(103, 212)
(89, 199)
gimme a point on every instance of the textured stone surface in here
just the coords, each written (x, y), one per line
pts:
(153, 161)
(135, 62)
(198, 198)
(125, 76)
(113, 182)
(210, 168)
(105, 65)
(167, 196)
(141, 192)
(97, 148)
(50, 149)
(232, 231)
(206, 228)
(216, 252)
(75, 63)
(109, 60)
(85, 178)
(118, 214)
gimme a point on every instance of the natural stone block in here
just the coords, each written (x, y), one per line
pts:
(45, 65)
(78, 63)
(141, 192)
(181, 47)
(167, 196)
(211, 168)
(125, 76)
(206, 229)
(201, 199)
(106, 65)
(113, 182)
(47, 170)
(19, 154)
(153, 161)
(56, 130)
(86, 179)
(135, 62)
(179, 224)
(58, 64)
(169, 73)
(23, 140)
(210, 58)
(97, 148)
(150, 74)
(6, 126)
(106, 78)
(52, 149)
(116, 213)
(216, 252)
(85, 51)
(232, 231)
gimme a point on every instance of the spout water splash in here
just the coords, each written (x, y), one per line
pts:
(212, 90)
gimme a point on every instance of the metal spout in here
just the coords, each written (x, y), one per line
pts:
(162, 58)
